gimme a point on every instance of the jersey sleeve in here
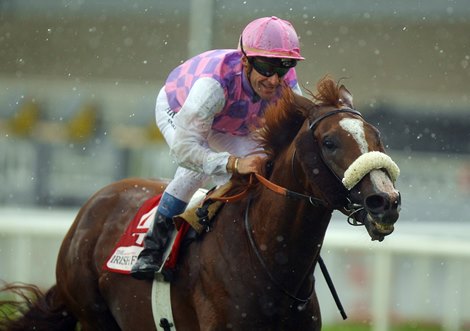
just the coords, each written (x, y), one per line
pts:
(193, 124)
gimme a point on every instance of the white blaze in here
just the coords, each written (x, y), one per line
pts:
(356, 128)
(381, 181)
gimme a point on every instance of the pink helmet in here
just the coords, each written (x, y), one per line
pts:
(270, 37)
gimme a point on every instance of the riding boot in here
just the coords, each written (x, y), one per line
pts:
(157, 238)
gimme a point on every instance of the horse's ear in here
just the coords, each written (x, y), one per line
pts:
(346, 96)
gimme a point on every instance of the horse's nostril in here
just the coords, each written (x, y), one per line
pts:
(376, 203)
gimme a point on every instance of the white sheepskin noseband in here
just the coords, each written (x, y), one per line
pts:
(365, 164)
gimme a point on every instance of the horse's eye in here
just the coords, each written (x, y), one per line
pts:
(328, 144)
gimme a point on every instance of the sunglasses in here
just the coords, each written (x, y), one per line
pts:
(268, 69)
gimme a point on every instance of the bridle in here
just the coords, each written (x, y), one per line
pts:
(351, 208)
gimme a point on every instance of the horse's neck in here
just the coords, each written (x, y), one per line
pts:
(292, 229)
(294, 221)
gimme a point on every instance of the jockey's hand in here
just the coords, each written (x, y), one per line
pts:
(249, 164)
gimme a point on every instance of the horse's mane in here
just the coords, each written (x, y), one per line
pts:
(284, 118)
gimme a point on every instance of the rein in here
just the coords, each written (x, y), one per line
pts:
(273, 187)
(303, 302)
(288, 193)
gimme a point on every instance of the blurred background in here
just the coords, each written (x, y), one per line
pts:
(78, 82)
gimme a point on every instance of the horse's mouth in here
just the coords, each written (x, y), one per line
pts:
(377, 230)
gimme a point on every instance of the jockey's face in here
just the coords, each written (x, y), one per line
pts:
(264, 86)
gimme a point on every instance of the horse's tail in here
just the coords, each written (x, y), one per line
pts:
(34, 310)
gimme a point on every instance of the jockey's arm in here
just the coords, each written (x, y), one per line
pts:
(193, 124)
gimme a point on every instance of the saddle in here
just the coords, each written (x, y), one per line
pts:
(200, 211)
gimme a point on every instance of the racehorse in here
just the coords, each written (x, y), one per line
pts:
(254, 269)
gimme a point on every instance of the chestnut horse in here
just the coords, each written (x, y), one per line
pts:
(254, 269)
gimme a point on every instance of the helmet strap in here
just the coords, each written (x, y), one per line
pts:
(241, 46)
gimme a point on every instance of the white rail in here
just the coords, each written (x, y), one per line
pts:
(437, 243)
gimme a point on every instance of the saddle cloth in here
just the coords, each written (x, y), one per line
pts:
(131, 243)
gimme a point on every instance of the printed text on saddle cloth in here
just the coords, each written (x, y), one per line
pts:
(131, 243)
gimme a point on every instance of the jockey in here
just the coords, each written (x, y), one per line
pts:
(208, 111)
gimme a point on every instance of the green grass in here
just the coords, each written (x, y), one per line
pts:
(404, 327)
(7, 310)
